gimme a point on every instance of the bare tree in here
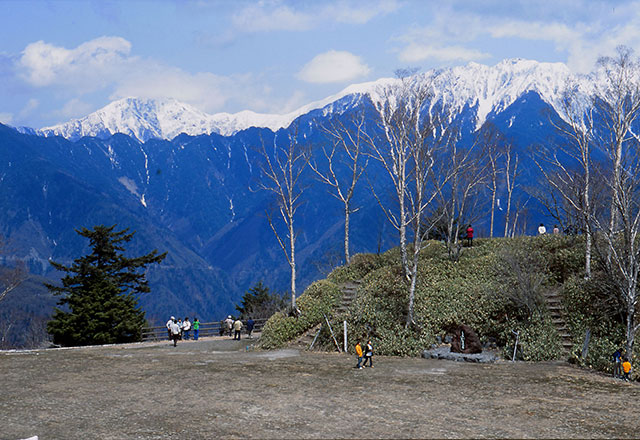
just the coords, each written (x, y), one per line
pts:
(465, 172)
(574, 187)
(511, 174)
(346, 142)
(282, 167)
(493, 155)
(617, 101)
(406, 151)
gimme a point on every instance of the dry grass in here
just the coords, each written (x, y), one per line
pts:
(213, 388)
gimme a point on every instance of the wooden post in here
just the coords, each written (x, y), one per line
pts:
(345, 335)
(515, 346)
(331, 330)
(315, 337)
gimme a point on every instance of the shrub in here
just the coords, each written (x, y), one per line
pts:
(538, 340)
(360, 266)
(318, 299)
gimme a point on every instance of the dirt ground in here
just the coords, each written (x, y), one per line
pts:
(216, 388)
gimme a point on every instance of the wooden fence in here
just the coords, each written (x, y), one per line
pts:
(206, 329)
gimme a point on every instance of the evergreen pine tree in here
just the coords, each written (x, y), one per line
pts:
(100, 291)
(259, 303)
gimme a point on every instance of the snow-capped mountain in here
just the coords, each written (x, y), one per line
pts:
(485, 89)
(145, 119)
(489, 90)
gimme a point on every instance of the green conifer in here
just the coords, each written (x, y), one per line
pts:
(100, 291)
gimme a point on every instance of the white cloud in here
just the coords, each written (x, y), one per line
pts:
(204, 90)
(277, 15)
(416, 52)
(6, 118)
(105, 64)
(74, 108)
(89, 66)
(333, 66)
(269, 16)
(358, 12)
(29, 107)
(580, 30)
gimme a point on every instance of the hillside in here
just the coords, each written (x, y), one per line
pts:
(498, 286)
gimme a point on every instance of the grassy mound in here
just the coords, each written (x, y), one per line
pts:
(496, 287)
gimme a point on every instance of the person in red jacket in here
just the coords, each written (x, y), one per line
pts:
(469, 236)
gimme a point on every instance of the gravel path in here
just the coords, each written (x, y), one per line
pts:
(219, 387)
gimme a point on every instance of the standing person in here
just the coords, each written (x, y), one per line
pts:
(541, 229)
(237, 329)
(169, 326)
(617, 362)
(359, 353)
(196, 328)
(250, 324)
(626, 370)
(556, 230)
(223, 326)
(175, 331)
(180, 325)
(368, 355)
(186, 328)
(229, 323)
(469, 236)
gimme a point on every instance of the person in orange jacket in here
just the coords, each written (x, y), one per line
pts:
(626, 370)
(359, 353)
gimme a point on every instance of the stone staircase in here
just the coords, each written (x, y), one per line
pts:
(349, 293)
(554, 305)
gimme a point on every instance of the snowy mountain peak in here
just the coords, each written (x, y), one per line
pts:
(487, 89)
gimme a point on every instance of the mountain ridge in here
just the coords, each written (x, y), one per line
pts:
(490, 89)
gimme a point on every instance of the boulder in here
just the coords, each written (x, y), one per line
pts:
(464, 340)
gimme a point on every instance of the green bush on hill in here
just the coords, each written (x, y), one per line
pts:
(318, 299)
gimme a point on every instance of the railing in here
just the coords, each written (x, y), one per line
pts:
(206, 329)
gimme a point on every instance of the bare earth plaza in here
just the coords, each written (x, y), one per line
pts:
(216, 388)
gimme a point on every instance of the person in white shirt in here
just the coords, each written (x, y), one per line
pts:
(541, 229)
(186, 327)
(169, 326)
(174, 328)
(229, 322)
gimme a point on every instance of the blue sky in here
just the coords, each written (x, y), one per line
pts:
(64, 59)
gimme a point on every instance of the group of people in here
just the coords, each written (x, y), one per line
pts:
(366, 355)
(621, 369)
(179, 329)
(543, 230)
(234, 327)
